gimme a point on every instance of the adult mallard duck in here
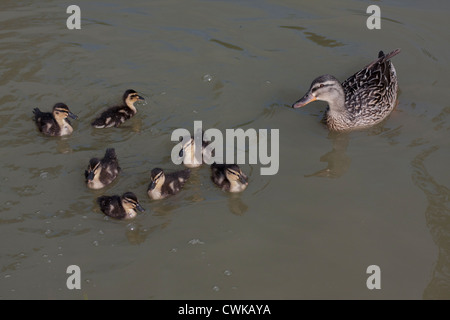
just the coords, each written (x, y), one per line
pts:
(363, 100)
(115, 116)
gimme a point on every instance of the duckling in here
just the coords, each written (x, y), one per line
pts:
(54, 123)
(188, 153)
(102, 172)
(120, 207)
(163, 184)
(229, 177)
(115, 116)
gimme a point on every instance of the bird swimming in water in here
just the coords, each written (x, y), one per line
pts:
(229, 177)
(164, 184)
(363, 100)
(115, 116)
(54, 123)
(102, 172)
(188, 152)
(120, 207)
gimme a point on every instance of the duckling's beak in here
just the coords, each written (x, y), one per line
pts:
(90, 176)
(243, 179)
(307, 98)
(139, 207)
(141, 98)
(152, 185)
(73, 116)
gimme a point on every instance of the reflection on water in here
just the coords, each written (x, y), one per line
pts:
(227, 45)
(137, 233)
(316, 38)
(236, 205)
(230, 64)
(337, 159)
(437, 216)
(62, 145)
(163, 208)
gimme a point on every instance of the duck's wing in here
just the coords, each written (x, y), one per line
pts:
(111, 206)
(112, 117)
(178, 177)
(371, 90)
(45, 122)
(218, 175)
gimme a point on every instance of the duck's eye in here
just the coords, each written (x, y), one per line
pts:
(321, 85)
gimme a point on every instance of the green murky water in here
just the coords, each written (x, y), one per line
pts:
(337, 205)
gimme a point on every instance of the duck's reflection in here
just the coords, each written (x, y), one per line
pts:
(236, 205)
(161, 208)
(437, 216)
(136, 125)
(63, 146)
(136, 233)
(337, 159)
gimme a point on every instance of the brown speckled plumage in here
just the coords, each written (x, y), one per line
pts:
(363, 100)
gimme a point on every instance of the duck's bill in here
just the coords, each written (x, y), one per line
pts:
(90, 176)
(152, 185)
(243, 179)
(304, 101)
(139, 207)
(141, 98)
(72, 115)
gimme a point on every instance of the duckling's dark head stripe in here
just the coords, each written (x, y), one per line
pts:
(127, 93)
(94, 162)
(233, 172)
(130, 197)
(61, 107)
(62, 110)
(156, 173)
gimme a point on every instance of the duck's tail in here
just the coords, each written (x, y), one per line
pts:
(389, 55)
(103, 201)
(98, 123)
(110, 154)
(382, 58)
(36, 111)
